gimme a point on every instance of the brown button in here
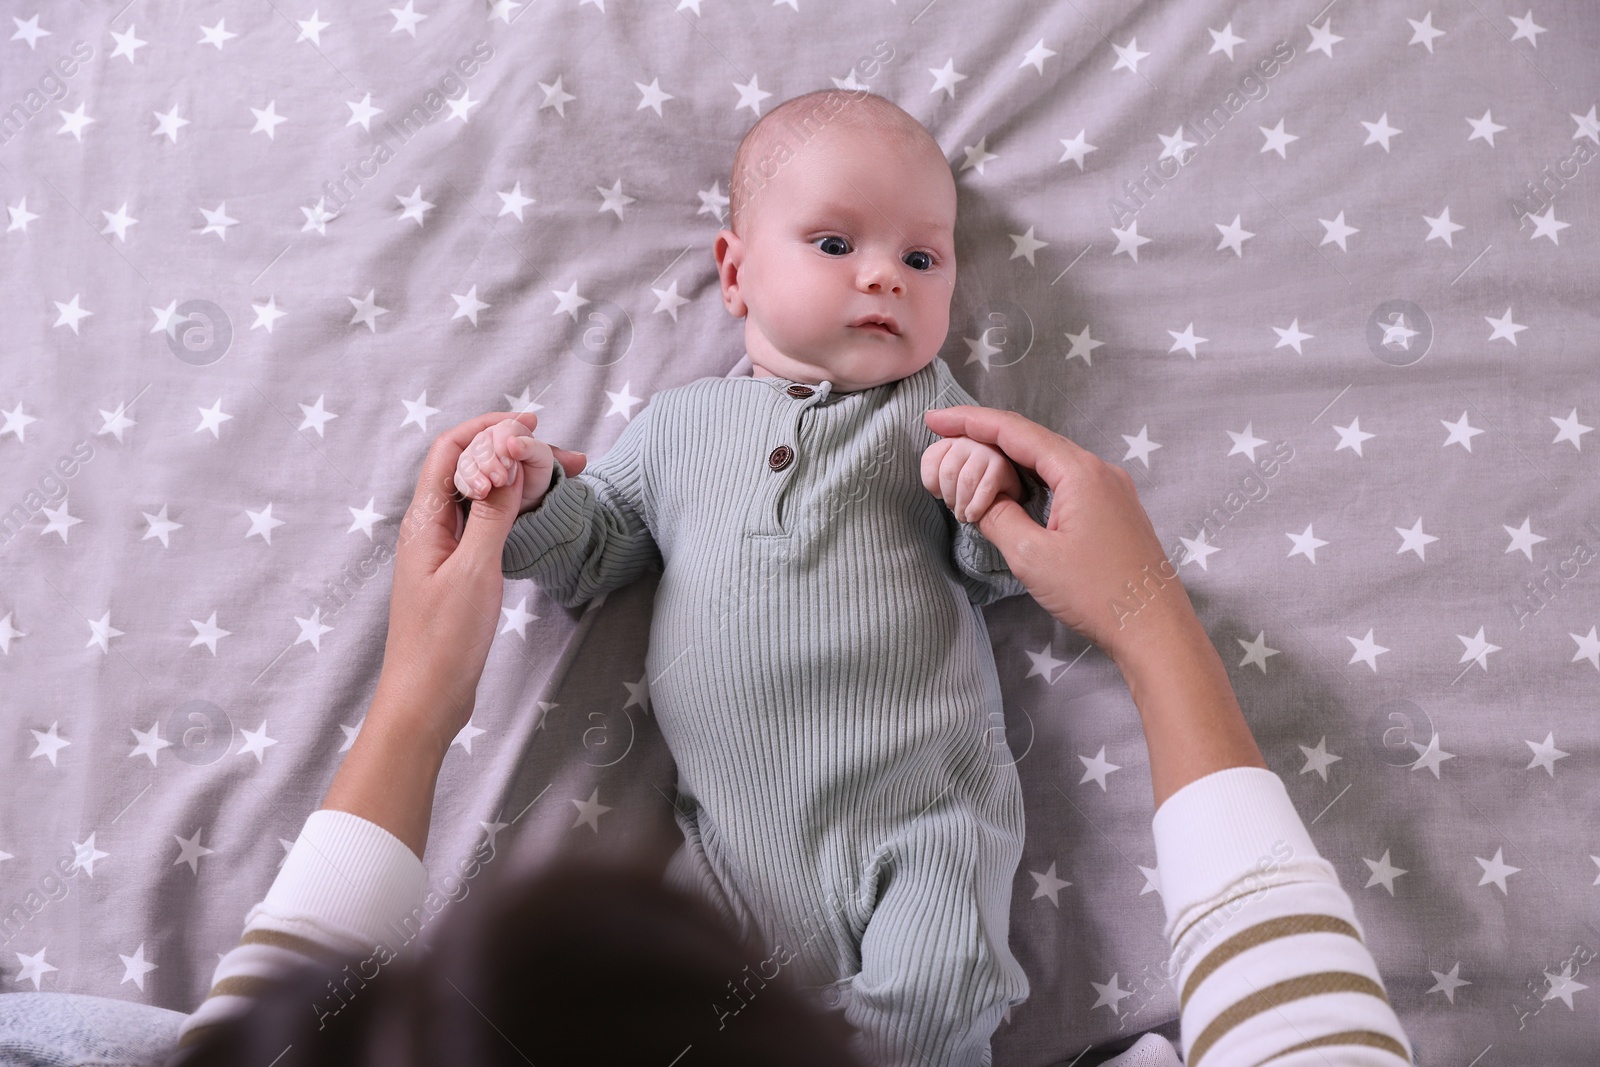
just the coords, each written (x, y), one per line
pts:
(799, 392)
(781, 457)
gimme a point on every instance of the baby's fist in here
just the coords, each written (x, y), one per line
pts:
(505, 454)
(969, 476)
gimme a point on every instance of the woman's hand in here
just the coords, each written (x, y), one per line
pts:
(445, 605)
(1098, 537)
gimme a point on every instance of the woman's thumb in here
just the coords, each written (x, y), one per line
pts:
(1005, 524)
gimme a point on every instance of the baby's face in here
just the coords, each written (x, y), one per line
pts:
(851, 229)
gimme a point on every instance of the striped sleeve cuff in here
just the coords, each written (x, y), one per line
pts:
(346, 886)
(1268, 958)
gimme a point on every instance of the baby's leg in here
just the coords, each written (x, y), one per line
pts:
(937, 972)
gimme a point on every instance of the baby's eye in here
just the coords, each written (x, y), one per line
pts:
(833, 246)
(919, 261)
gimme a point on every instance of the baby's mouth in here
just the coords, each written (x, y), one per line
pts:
(877, 325)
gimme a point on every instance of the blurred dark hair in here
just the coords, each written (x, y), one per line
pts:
(585, 961)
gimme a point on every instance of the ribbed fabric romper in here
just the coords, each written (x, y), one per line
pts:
(823, 677)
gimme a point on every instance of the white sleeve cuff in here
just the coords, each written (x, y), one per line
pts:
(348, 875)
(1223, 828)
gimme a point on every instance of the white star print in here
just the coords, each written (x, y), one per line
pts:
(127, 44)
(1129, 240)
(415, 206)
(311, 30)
(212, 418)
(262, 523)
(1478, 648)
(1448, 983)
(1431, 755)
(256, 742)
(61, 521)
(1424, 34)
(119, 222)
(1277, 139)
(1522, 538)
(70, 313)
(1461, 432)
(1233, 236)
(7, 632)
(1024, 244)
(1319, 759)
(622, 403)
(977, 155)
(84, 856)
(1128, 55)
(1109, 995)
(1496, 870)
(160, 526)
(751, 95)
(1367, 650)
(1441, 227)
(267, 119)
(217, 221)
(1568, 429)
(1484, 128)
(1305, 544)
(1351, 436)
(73, 122)
(315, 416)
(652, 95)
(668, 300)
(406, 19)
(101, 632)
(418, 411)
(318, 217)
(712, 201)
(1048, 885)
(16, 422)
(1036, 57)
(215, 35)
(613, 198)
(20, 216)
(191, 851)
(267, 314)
(1527, 29)
(1588, 125)
(364, 518)
(363, 112)
(1152, 879)
(1545, 753)
(1292, 337)
(1323, 38)
(29, 31)
(513, 202)
(1140, 446)
(1187, 341)
(1223, 40)
(945, 78)
(638, 692)
(465, 736)
(1383, 872)
(1197, 550)
(311, 629)
(33, 967)
(135, 967)
(1337, 231)
(1044, 663)
(1246, 442)
(1379, 132)
(570, 301)
(49, 743)
(468, 305)
(1562, 986)
(1176, 146)
(1256, 651)
(1546, 225)
(1096, 768)
(1075, 149)
(367, 310)
(1083, 345)
(517, 618)
(589, 812)
(208, 633)
(1414, 540)
(555, 96)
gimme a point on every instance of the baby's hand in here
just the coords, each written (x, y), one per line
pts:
(969, 476)
(502, 454)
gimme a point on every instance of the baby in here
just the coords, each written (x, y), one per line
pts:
(818, 663)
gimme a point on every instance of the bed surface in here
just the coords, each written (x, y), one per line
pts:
(1284, 264)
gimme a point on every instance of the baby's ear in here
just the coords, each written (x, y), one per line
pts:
(729, 253)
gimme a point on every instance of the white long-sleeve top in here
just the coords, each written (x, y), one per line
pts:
(1268, 959)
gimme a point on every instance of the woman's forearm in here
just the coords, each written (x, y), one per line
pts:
(389, 774)
(1192, 722)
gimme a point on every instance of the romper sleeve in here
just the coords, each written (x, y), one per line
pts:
(591, 533)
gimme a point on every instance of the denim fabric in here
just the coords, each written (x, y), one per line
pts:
(58, 1029)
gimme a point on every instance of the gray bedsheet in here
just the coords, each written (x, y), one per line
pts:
(1322, 278)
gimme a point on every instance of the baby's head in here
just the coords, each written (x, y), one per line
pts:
(843, 211)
